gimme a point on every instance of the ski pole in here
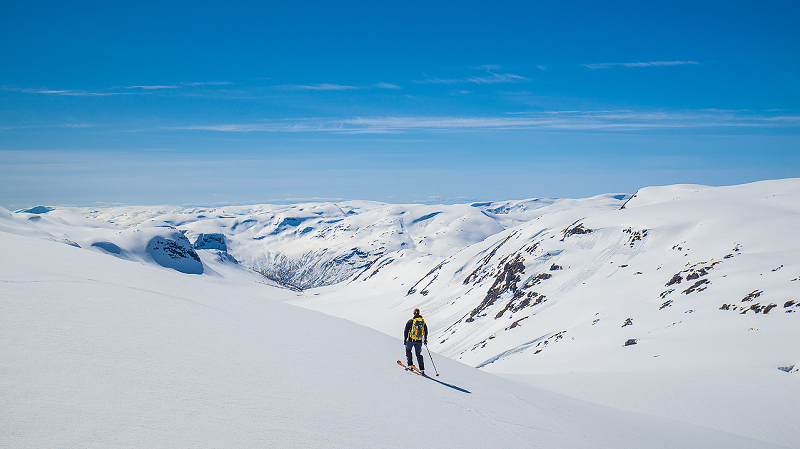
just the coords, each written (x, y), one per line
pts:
(431, 357)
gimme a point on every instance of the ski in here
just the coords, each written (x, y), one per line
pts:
(412, 368)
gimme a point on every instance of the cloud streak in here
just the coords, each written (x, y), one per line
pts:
(66, 92)
(336, 87)
(152, 87)
(554, 120)
(112, 91)
(207, 83)
(490, 78)
(494, 78)
(184, 88)
(608, 65)
(324, 86)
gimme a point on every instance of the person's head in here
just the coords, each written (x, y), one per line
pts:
(416, 312)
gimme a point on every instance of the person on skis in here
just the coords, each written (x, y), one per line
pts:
(414, 336)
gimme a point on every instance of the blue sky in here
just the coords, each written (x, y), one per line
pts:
(210, 102)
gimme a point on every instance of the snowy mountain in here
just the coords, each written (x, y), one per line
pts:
(101, 352)
(678, 301)
(311, 245)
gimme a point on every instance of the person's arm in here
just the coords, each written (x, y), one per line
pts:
(425, 333)
(405, 332)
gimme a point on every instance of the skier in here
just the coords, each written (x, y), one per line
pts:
(415, 335)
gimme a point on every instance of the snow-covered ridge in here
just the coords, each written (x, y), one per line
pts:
(100, 352)
(624, 306)
(665, 302)
(306, 245)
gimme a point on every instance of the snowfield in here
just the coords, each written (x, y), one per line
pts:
(674, 311)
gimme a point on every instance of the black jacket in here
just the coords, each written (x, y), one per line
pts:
(406, 333)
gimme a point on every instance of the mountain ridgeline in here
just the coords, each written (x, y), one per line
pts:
(620, 299)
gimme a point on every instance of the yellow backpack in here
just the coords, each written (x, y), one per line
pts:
(417, 329)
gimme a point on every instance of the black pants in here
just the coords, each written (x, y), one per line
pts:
(417, 345)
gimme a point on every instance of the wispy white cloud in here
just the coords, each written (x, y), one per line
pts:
(622, 120)
(495, 78)
(152, 87)
(490, 78)
(66, 92)
(608, 65)
(111, 91)
(76, 125)
(207, 83)
(335, 87)
(383, 85)
(324, 86)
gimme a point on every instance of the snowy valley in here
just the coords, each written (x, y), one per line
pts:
(677, 307)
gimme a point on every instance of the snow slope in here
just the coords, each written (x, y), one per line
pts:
(97, 351)
(679, 302)
(683, 304)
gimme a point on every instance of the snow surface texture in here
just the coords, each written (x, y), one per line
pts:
(680, 301)
(100, 352)
(682, 304)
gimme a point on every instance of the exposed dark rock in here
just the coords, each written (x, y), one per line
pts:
(515, 323)
(631, 341)
(482, 344)
(382, 264)
(666, 304)
(553, 338)
(178, 255)
(628, 322)
(752, 295)
(627, 201)
(696, 274)
(675, 280)
(475, 275)
(505, 281)
(210, 241)
(535, 280)
(698, 286)
(696, 271)
(635, 236)
(434, 270)
(532, 247)
(575, 228)
(757, 308)
(531, 299)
